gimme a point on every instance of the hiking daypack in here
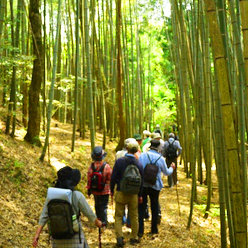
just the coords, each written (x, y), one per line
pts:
(96, 182)
(151, 171)
(171, 151)
(63, 223)
(131, 180)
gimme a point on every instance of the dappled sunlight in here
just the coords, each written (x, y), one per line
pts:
(26, 180)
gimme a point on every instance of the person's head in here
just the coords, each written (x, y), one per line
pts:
(157, 126)
(172, 135)
(146, 133)
(127, 142)
(68, 178)
(132, 146)
(98, 154)
(137, 137)
(156, 136)
(154, 144)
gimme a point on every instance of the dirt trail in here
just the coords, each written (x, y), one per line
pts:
(24, 182)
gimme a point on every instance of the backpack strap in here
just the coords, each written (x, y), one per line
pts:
(101, 169)
(78, 216)
(150, 159)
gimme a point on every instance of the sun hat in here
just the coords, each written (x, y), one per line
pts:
(132, 145)
(146, 133)
(156, 136)
(137, 136)
(128, 140)
(98, 153)
(67, 174)
(172, 135)
(155, 143)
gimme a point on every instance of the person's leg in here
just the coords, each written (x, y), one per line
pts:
(97, 206)
(104, 209)
(159, 213)
(142, 208)
(175, 172)
(133, 214)
(170, 177)
(119, 209)
(154, 195)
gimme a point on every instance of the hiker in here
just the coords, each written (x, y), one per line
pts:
(138, 138)
(122, 152)
(152, 184)
(146, 139)
(172, 149)
(99, 175)
(122, 198)
(157, 136)
(158, 130)
(68, 178)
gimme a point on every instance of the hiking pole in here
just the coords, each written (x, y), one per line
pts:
(99, 238)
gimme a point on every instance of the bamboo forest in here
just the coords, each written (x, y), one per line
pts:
(76, 74)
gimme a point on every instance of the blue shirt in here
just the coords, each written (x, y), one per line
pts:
(162, 167)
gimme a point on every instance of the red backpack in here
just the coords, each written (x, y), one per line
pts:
(96, 182)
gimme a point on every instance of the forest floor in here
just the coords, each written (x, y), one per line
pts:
(24, 182)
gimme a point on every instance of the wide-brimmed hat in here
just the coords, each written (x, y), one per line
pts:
(98, 153)
(128, 140)
(146, 133)
(67, 173)
(133, 144)
(172, 135)
(156, 136)
(154, 143)
(137, 136)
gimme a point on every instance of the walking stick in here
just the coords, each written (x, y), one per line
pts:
(100, 243)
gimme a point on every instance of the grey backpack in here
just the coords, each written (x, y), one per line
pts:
(131, 181)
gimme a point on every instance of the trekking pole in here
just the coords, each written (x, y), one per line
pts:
(100, 243)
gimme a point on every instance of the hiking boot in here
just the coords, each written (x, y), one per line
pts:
(134, 241)
(120, 242)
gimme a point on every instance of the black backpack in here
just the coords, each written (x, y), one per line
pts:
(131, 180)
(171, 151)
(62, 220)
(151, 171)
(96, 182)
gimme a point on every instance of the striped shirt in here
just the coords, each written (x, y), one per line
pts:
(106, 177)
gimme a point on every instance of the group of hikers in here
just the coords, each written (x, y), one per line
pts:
(135, 177)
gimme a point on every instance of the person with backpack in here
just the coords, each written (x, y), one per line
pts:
(127, 176)
(99, 175)
(171, 150)
(63, 216)
(158, 130)
(153, 164)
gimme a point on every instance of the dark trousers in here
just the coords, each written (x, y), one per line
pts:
(153, 195)
(101, 207)
(172, 179)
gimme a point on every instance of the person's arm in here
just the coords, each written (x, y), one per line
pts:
(113, 179)
(141, 170)
(37, 235)
(166, 171)
(179, 148)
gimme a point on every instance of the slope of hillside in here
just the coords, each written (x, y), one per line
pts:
(24, 182)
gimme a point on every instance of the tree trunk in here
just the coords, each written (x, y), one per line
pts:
(33, 131)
